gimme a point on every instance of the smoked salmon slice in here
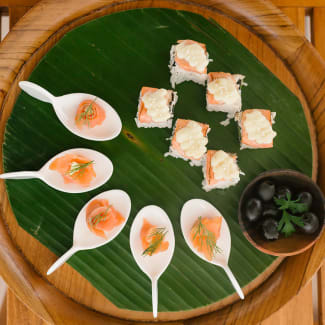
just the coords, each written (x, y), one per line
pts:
(180, 124)
(244, 134)
(74, 169)
(184, 64)
(152, 238)
(204, 235)
(89, 114)
(102, 217)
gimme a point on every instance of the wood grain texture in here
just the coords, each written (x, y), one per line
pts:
(299, 310)
(31, 38)
(18, 313)
(297, 16)
(15, 13)
(321, 295)
(318, 30)
(299, 3)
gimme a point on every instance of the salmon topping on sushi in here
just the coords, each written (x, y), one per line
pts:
(74, 169)
(256, 128)
(152, 238)
(188, 62)
(191, 56)
(155, 107)
(101, 217)
(220, 167)
(204, 235)
(222, 87)
(89, 114)
(190, 139)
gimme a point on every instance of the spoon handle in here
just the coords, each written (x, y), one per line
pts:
(154, 294)
(36, 91)
(62, 260)
(20, 175)
(234, 281)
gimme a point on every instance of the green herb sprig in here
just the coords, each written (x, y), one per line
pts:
(95, 220)
(208, 237)
(78, 167)
(288, 204)
(287, 222)
(158, 236)
(87, 113)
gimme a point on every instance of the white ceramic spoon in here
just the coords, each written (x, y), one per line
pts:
(153, 266)
(103, 168)
(66, 106)
(191, 211)
(83, 238)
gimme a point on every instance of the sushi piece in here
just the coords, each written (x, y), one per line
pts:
(188, 62)
(152, 239)
(155, 108)
(101, 217)
(224, 92)
(189, 141)
(204, 235)
(74, 169)
(220, 170)
(255, 127)
(89, 114)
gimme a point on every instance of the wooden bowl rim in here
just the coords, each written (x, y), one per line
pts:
(271, 173)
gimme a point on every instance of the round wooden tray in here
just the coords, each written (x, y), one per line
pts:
(25, 261)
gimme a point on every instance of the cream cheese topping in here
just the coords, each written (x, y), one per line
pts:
(191, 140)
(258, 127)
(156, 103)
(194, 54)
(224, 166)
(223, 89)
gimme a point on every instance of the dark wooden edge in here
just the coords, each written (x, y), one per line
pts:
(248, 12)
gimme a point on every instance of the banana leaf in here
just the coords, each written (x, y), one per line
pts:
(113, 57)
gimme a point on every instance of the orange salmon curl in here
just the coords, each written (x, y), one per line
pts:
(102, 217)
(89, 114)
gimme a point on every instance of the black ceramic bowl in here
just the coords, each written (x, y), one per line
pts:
(298, 242)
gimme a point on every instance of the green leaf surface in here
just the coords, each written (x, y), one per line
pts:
(112, 58)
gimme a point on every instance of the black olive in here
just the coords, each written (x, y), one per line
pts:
(253, 209)
(270, 210)
(266, 191)
(311, 223)
(270, 229)
(306, 198)
(282, 192)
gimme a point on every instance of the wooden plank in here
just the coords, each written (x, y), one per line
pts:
(299, 3)
(24, 3)
(298, 310)
(318, 30)
(297, 16)
(15, 13)
(18, 313)
(321, 295)
(3, 312)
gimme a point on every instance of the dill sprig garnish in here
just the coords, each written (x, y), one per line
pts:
(95, 220)
(78, 167)
(87, 113)
(157, 235)
(206, 236)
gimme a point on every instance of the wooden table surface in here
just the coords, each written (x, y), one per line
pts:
(298, 311)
